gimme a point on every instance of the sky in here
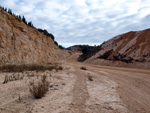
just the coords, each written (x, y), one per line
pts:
(84, 21)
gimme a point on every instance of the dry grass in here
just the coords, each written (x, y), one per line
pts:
(34, 67)
(39, 89)
(13, 78)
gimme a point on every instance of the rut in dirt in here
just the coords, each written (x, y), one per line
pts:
(80, 93)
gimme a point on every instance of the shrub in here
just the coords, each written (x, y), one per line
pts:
(39, 89)
(33, 67)
(90, 78)
(90, 51)
(83, 68)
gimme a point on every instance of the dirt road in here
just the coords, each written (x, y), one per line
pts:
(111, 90)
(133, 85)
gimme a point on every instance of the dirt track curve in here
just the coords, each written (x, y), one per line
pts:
(133, 85)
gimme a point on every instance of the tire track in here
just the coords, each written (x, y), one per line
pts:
(80, 93)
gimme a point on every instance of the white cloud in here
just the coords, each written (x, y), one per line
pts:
(84, 21)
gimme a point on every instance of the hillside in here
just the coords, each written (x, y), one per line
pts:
(80, 48)
(75, 49)
(22, 44)
(123, 50)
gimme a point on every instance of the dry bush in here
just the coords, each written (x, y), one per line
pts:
(13, 77)
(6, 79)
(33, 67)
(90, 78)
(83, 68)
(39, 89)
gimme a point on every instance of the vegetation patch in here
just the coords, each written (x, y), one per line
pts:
(83, 68)
(88, 51)
(21, 68)
(13, 78)
(90, 78)
(39, 89)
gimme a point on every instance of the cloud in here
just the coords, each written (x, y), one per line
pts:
(84, 21)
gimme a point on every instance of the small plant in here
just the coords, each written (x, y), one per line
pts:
(12, 78)
(6, 80)
(19, 98)
(90, 78)
(83, 68)
(43, 79)
(39, 89)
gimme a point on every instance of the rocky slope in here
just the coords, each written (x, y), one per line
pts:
(128, 48)
(21, 44)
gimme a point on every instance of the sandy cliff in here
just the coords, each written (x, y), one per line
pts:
(21, 44)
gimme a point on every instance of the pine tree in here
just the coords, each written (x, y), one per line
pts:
(30, 24)
(5, 9)
(9, 11)
(24, 20)
(19, 17)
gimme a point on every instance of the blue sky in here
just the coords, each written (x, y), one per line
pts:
(84, 21)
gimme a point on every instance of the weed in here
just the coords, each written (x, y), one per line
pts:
(40, 89)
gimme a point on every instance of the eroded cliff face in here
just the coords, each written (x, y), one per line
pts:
(21, 44)
(131, 49)
(128, 47)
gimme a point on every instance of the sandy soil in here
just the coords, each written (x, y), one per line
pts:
(113, 90)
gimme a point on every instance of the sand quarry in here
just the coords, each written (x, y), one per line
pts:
(98, 89)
